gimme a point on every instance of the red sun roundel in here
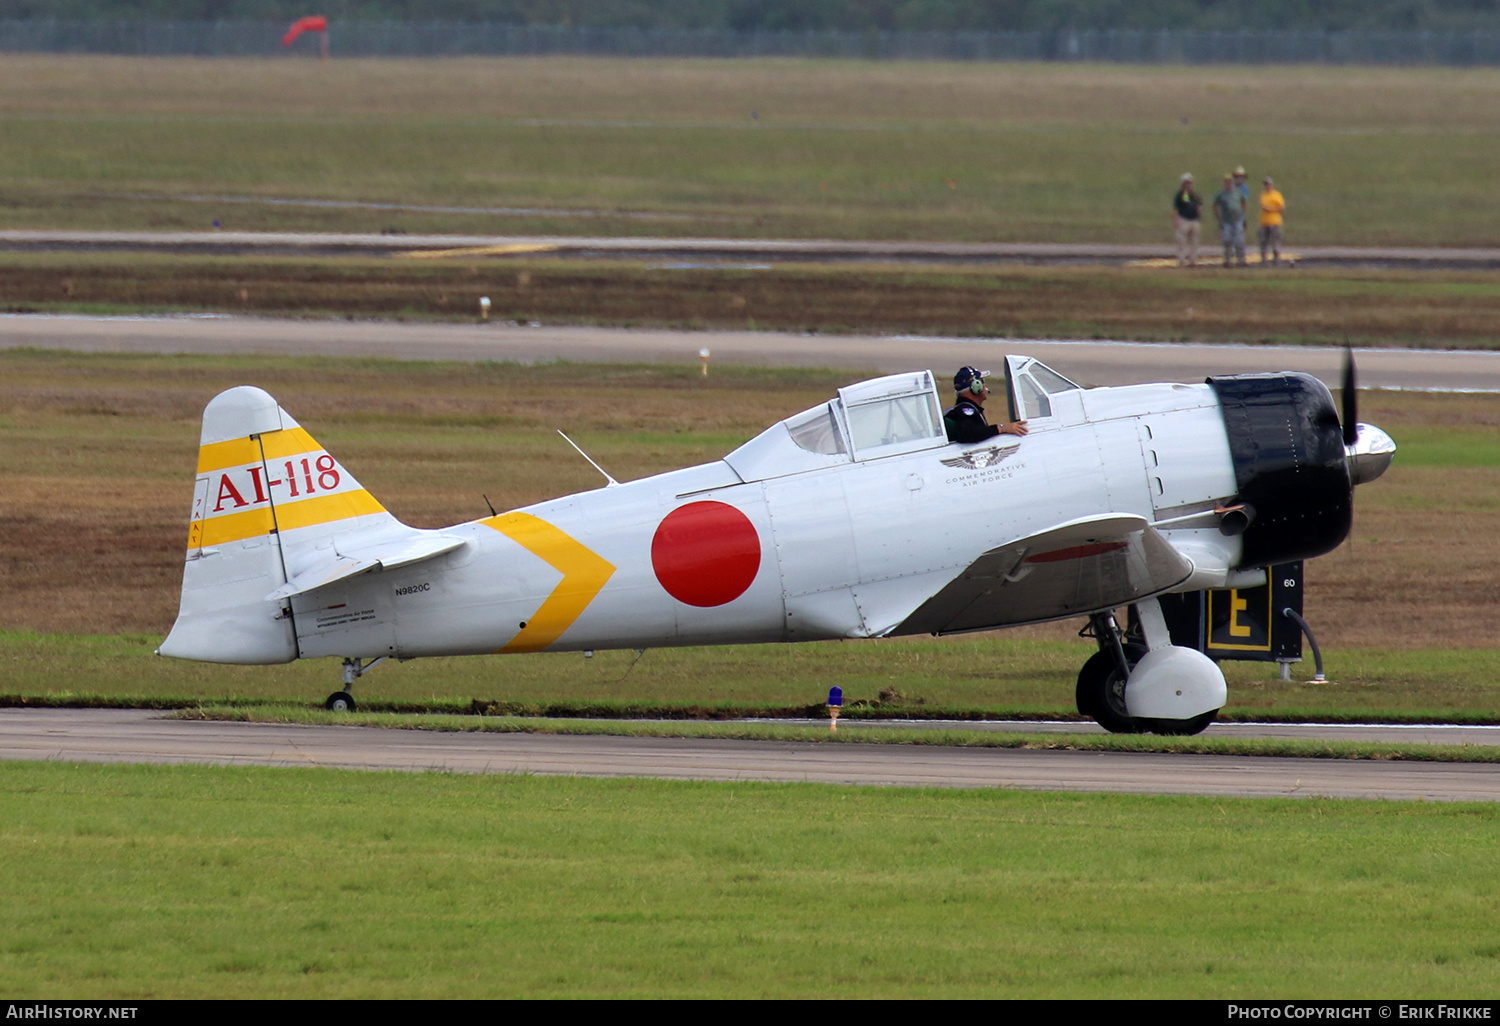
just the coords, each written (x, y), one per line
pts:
(705, 553)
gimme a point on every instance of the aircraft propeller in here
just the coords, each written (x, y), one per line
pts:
(1367, 449)
(1350, 397)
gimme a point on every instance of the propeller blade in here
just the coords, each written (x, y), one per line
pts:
(1350, 397)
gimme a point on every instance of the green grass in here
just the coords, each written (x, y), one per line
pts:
(837, 149)
(1005, 674)
(1445, 447)
(863, 733)
(191, 882)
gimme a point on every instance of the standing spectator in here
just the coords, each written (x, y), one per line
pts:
(1242, 185)
(1272, 204)
(1187, 207)
(1229, 209)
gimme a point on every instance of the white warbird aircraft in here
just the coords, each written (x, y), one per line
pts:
(854, 519)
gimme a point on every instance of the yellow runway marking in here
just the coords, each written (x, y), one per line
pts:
(584, 575)
(474, 251)
(1210, 261)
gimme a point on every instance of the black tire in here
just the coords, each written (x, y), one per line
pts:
(1180, 728)
(1101, 691)
(340, 701)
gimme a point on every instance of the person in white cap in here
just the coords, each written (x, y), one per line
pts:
(1242, 185)
(1186, 209)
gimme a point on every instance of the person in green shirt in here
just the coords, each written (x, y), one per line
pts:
(1229, 209)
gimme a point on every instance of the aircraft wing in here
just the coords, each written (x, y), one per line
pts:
(1077, 567)
(384, 555)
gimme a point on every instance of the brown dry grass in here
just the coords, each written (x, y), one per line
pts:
(1371, 307)
(96, 473)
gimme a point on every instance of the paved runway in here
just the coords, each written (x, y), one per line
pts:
(1388, 733)
(94, 735)
(1090, 363)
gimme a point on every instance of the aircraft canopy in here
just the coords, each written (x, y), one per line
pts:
(887, 416)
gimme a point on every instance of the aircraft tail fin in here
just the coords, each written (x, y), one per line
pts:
(267, 499)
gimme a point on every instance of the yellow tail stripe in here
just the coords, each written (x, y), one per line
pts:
(584, 575)
(238, 451)
(231, 527)
(221, 455)
(291, 442)
(252, 523)
(326, 509)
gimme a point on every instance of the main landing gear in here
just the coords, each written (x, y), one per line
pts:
(1140, 683)
(343, 701)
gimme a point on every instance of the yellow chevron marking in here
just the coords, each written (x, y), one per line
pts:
(584, 575)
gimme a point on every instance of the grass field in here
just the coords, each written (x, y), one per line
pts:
(1022, 672)
(98, 479)
(152, 882)
(754, 148)
(171, 882)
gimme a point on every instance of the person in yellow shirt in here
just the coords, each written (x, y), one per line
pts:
(1272, 204)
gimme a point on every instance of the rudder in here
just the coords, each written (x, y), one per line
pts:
(266, 498)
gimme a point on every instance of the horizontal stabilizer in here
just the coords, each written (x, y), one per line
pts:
(387, 554)
(1078, 567)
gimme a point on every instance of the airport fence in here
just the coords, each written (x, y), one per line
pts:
(438, 39)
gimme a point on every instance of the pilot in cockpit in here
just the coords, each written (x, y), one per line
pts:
(965, 421)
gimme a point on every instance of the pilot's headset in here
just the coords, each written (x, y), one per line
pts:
(970, 380)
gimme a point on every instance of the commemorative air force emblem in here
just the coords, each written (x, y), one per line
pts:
(978, 459)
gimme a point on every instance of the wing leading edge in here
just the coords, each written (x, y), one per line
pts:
(1077, 567)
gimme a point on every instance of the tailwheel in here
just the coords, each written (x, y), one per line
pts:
(340, 701)
(1101, 691)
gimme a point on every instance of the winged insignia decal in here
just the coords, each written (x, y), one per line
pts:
(978, 459)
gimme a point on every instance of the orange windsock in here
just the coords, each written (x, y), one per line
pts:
(315, 23)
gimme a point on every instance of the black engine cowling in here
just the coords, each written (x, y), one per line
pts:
(1289, 464)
